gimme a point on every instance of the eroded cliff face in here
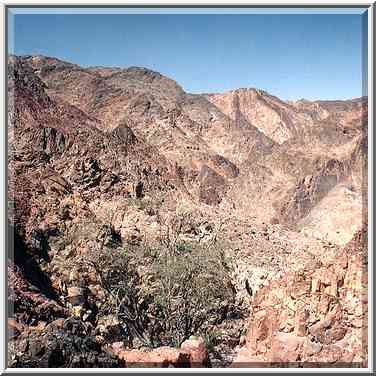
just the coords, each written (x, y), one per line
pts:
(276, 119)
(110, 158)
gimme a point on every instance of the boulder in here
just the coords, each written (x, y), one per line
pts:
(192, 354)
(76, 296)
(161, 357)
(110, 328)
(199, 356)
(286, 347)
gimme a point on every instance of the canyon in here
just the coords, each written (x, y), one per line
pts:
(118, 179)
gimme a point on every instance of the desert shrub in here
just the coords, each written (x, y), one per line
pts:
(192, 290)
(115, 268)
(149, 252)
(184, 207)
(137, 203)
(124, 252)
(184, 247)
(125, 299)
(189, 283)
(181, 293)
(150, 205)
(211, 339)
(161, 293)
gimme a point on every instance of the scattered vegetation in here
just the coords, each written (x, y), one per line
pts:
(211, 339)
(193, 289)
(137, 203)
(165, 293)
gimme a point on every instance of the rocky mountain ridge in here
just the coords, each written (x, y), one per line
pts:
(102, 159)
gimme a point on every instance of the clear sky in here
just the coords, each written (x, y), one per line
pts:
(293, 56)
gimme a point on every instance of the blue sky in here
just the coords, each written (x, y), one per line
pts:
(293, 56)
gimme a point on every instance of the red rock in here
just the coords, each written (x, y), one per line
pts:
(311, 348)
(12, 323)
(347, 357)
(244, 359)
(286, 347)
(175, 357)
(136, 358)
(117, 347)
(76, 295)
(300, 322)
(329, 354)
(161, 357)
(265, 323)
(40, 327)
(338, 332)
(199, 355)
(71, 138)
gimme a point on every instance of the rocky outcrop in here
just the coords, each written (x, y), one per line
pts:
(310, 190)
(269, 114)
(212, 186)
(316, 318)
(191, 354)
(62, 343)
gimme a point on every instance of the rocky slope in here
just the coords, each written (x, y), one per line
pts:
(116, 167)
(313, 318)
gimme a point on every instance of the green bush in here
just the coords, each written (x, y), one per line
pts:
(124, 298)
(137, 203)
(193, 290)
(162, 293)
(183, 248)
(124, 252)
(211, 339)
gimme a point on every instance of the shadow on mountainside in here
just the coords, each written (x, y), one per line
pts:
(20, 254)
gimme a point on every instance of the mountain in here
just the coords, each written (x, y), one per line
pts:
(104, 160)
(274, 145)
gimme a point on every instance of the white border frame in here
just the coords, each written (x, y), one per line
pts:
(209, 3)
